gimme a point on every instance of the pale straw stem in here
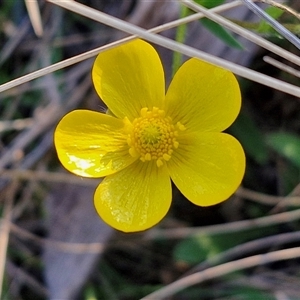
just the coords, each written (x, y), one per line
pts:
(78, 58)
(35, 16)
(281, 66)
(238, 226)
(223, 269)
(282, 6)
(5, 229)
(276, 25)
(243, 32)
(175, 46)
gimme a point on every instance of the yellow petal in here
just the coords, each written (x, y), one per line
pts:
(207, 168)
(203, 97)
(135, 198)
(92, 144)
(128, 78)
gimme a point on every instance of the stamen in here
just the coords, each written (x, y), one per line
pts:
(153, 136)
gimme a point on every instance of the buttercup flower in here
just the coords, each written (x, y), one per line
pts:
(150, 138)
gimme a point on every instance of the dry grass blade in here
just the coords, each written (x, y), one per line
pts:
(69, 247)
(283, 7)
(15, 124)
(224, 269)
(237, 226)
(242, 250)
(243, 32)
(267, 199)
(5, 228)
(35, 16)
(48, 177)
(78, 58)
(276, 25)
(175, 46)
(281, 66)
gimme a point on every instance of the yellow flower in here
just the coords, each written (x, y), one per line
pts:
(151, 138)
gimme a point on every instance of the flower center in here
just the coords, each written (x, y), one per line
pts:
(153, 136)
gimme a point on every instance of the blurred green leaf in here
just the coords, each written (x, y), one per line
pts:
(209, 3)
(287, 145)
(90, 293)
(217, 29)
(221, 33)
(197, 249)
(265, 27)
(250, 293)
(251, 138)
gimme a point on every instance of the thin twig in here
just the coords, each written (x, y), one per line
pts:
(175, 46)
(58, 245)
(224, 269)
(276, 25)
(78, 58)
(19, 275)
(247, 248)
(19, 124)
(35, 16)
(281, 66)
(282, 6)
(268, 199)
(237, 226)
(5, 228)
(48, 177)
(242, 32)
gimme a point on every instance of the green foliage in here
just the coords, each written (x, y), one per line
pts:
(249, 293)
(115, 286)
(216, 29)
(221, 33)
(251, 138)
(226, 293)
(206, 246)
(265, 27)
(287, 145)
(209, 3)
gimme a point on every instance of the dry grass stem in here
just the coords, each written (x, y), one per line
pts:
(78, 248)
(48, 177)
(28, 144)
(175, 46)
(244, 32)
(59, 177)
(268, 199)
(15, 124)
(247, 248)
(5, 228)
(184, 232)
(282, 6)
(78, 58)
(35, 16)
(46, 118)
(275, 24)
(224, 269)
(281, 66)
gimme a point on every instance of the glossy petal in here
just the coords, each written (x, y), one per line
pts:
(128, 78)
(92, 144)
(135, 198)
(203, 97)
(207, 168)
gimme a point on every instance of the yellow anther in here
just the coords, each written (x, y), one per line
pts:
(159, 163)
(144, 111)
(153, 136)
(181, 126)
(133, 152)
(166, 156)
(147, 156)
